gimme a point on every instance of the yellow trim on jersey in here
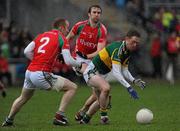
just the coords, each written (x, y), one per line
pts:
(116, 62)
(104, 56)
(113, 53)
(124, 63)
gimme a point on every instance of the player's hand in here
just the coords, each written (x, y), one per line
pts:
(3, 94)
(140, 83)
(133, 93)
(81, 55)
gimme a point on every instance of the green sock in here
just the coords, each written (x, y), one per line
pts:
(103, 112)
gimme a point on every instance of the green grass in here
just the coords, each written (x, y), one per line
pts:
(38, 113)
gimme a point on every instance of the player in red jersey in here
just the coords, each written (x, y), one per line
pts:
(42, 52)
(91, 38)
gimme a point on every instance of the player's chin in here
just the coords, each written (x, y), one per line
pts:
(96, 20)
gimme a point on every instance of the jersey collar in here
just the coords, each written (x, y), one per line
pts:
(122, 48)
(97, 25)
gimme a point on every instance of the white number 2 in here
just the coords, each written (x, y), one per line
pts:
(44, 41)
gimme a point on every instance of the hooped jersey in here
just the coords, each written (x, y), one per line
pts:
(89, 37)
(47, 47)
(116, 53)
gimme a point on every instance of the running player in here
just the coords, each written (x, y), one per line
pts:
(91, 38)
(115, 58)
(42, 52)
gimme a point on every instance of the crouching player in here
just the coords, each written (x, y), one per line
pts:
(115, 58)
(42, 52)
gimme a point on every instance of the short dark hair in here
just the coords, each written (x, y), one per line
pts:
(96, 6)
(59, 22)
(133, 32)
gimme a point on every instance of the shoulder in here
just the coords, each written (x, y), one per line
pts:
(62, 37)
(80, 23)
(103, 28)
(115, 44)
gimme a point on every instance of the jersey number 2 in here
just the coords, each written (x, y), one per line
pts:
(44, 41)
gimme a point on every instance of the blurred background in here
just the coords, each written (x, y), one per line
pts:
(158, 21)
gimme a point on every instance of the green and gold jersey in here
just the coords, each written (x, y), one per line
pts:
(115, 53)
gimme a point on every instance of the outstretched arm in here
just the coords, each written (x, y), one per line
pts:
(127, 74)
(116, 70)
(100, 46)
(70, 35)
(68, 59)
(117, 73)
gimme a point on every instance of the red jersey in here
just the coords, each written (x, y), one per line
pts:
(156, 48)
(47, 47)
(88, 37)
(4, 66)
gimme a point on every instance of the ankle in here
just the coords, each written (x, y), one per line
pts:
(60, 113)
(86, 118)
(103, 112)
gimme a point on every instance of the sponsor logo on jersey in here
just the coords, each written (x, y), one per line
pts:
(88, 44)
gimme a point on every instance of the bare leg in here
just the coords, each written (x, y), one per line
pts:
(93, 108)
(88, 102)
(69, 91)
(26, 94)
(104, 88)
(95, 105)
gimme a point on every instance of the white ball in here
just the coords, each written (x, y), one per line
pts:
(144, 116)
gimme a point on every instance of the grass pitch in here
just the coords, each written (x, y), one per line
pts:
(37, 115)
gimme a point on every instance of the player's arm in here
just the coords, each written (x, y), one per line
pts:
(116, 70)
(128, 76)
(70, 35)
(100, 46)
(29, 50)
(68, 59)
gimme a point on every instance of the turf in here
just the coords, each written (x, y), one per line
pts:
(38, 113)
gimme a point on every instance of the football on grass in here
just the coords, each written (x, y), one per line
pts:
(144, 116)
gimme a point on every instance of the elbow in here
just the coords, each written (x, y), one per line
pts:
(25, 52)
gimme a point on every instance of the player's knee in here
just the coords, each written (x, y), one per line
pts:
(105, 89)
(74, 87)
(71, 86)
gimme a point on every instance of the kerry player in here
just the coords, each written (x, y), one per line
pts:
(115, 58)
